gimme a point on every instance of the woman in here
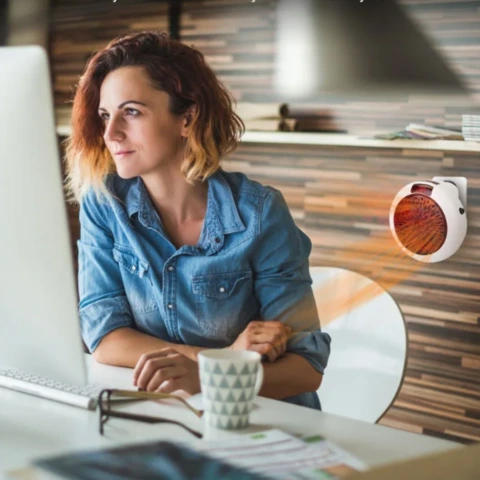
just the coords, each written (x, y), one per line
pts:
(175, 254)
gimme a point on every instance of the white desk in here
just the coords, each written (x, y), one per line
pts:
(31, 427)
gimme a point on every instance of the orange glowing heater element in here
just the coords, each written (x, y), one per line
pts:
(419, 222)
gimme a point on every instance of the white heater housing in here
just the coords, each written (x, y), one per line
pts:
(428, 219)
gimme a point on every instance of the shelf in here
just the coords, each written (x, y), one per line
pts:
(342, 140)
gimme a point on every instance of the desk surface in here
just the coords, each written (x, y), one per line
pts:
(32, 427)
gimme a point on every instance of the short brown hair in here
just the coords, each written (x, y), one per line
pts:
(174, 68)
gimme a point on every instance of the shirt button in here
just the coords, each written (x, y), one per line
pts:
(217, 240)
(221, 289)
(170, 268)
(133, 268)
(170, 306)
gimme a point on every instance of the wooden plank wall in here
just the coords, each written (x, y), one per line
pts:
(79, 28)
(238, 39)
(340, 195)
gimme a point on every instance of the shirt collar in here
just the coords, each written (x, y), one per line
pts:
(222, 215)
(133, 196)
(138, 201)
(222, 203)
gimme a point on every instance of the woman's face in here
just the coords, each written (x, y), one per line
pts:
(141, 134)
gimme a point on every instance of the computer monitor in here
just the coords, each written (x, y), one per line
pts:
(39, 323)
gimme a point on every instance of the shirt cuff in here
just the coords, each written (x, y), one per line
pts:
(102, 317)
(314, 346)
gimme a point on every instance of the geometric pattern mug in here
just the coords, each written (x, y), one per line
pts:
(230, 380)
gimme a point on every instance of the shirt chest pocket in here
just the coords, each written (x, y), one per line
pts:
(224, 303)
(136, 281)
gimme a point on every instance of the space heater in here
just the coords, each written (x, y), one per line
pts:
(428, 219)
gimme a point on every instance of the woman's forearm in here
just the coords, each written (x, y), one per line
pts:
(124, 346)
(289, 375)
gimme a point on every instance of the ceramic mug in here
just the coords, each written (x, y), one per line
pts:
(230, 380)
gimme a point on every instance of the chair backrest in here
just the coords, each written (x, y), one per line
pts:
(369, 344)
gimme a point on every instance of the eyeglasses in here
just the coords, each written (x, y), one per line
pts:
(109, 396)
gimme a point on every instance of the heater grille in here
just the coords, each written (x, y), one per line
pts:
(420, 224)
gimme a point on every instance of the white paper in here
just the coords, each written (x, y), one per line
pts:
(276, 454)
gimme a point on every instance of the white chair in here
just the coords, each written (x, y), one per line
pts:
(369, 344)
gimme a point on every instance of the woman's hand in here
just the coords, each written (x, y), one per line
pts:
(166, 371)
(268, 338)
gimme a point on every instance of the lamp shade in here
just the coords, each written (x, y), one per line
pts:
(353, 46)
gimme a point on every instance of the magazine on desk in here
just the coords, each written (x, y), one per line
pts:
(262, 455)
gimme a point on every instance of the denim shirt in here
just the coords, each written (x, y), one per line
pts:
(250, 263)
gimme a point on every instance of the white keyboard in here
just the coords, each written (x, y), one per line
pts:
(83, 397)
